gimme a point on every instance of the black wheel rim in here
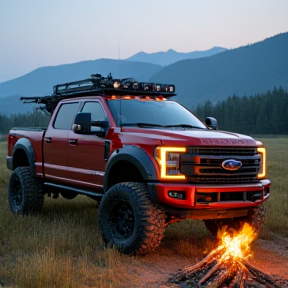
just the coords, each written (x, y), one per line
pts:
(16, 193)
(122, 220)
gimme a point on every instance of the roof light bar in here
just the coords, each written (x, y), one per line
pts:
(104, 86)
(98, 82)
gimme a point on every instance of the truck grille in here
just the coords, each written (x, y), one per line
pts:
(204, 164)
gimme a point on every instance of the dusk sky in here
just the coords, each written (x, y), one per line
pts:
(37, 33)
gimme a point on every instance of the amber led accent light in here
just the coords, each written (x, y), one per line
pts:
(162, 160)
(262, 152)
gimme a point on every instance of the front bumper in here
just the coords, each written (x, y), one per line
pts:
(210, 197)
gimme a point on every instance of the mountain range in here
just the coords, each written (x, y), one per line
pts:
(246, 70)
(171, 56)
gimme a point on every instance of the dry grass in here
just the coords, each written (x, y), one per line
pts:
(59, 248)
(188, 238)
(277, 206)
(62, 248)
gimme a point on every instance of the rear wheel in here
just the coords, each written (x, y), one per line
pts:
(255, 218)
(25, 194)
(128, 219)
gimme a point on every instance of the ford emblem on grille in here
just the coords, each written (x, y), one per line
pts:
(231, 164)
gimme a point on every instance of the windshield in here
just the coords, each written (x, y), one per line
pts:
(153, 114)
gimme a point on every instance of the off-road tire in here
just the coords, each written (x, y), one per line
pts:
(25, 193)
(255, 218)
(129, 221)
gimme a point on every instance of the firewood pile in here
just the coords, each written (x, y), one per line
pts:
(237, 274)
(227, 266)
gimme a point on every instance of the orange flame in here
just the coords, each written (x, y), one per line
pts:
(236, 246)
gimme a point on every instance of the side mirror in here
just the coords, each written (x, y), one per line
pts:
(82, 123)
(211, 123)
(102, 124)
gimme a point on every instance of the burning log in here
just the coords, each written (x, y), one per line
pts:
(227, 266)
(214, 274)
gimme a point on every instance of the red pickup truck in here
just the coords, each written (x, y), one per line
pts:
(148, 159)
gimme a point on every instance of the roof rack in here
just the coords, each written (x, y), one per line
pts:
(98, 85)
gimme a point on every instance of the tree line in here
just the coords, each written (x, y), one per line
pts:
(246, 70)
(259, 114)
(36, 119)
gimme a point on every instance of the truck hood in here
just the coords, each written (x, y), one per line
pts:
(184, 137)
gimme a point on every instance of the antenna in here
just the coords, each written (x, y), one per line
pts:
(119, 58)
(119, 61)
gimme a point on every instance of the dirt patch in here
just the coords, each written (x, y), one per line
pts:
(271, 256)
(154, 270)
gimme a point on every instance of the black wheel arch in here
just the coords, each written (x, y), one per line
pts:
(135, 161)
(23, 155)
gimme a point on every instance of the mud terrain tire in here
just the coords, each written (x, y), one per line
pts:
(129, 221)
(25, 195)
(255, 218)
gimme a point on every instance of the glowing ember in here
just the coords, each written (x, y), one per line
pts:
(226, 265)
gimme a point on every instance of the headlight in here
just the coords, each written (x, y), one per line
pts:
(262, 171)
(169, 162)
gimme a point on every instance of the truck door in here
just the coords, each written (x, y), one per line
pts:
(55, 147)
(86, 163)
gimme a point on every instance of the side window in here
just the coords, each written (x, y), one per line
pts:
(97, 113)
(65, 116)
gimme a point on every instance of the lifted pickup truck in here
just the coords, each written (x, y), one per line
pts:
(148, 159)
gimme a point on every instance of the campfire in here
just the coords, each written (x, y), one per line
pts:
(227, 266)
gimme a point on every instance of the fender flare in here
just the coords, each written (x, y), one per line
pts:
(25, 145)
(135, 155)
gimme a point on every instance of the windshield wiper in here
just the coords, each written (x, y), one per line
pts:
(141, 124)
(184, 126)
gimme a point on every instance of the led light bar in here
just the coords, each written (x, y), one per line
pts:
(103, 86)
(98, 82)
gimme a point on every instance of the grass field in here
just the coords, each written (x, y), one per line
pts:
(62, 248)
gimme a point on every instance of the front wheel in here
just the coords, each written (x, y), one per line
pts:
(25, 195)
(129, 220)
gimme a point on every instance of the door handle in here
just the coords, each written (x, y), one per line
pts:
(73, 141)
(48, 139)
